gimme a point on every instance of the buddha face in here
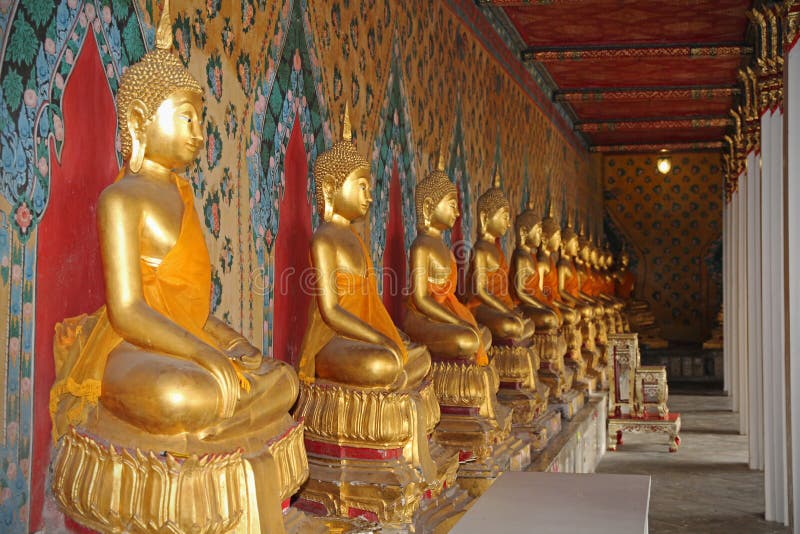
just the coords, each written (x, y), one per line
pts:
(584, 252)
(625, 259)
(446, 212)
(534, 237)
(571, 247)
(498, 223)
(173, 135)
(555, 241)
(593, 256)
(353, 198)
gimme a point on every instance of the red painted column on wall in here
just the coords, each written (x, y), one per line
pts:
(394, 255)
(292, 294)
(69, 274)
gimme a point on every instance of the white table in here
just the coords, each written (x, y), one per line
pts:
(560, 503)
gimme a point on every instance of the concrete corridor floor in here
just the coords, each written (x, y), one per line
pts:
(706, 486)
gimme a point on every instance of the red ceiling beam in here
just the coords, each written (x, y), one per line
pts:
(525, 3)
(627, 94)
(559, 54)
(670, 147)
(653, 124)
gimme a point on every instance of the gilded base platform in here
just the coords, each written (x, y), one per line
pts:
(369, 454)
(111, 488)
(472, 420)
(551, 347)
(516, 368)
(542, 430)
(569, 404)
(513, 454)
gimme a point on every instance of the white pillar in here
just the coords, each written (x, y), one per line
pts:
(741, 286)
(775, 463)
(727, 299)
(755, 422)
(792, 275)
(734, 264)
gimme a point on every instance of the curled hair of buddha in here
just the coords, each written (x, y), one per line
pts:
(568, 233)
(337, 163)
(156, 76)
(526, 219)
(435, 186)
(493, 198)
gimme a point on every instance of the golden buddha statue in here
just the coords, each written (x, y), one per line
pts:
(590, 312)
(154, 395)
(489, 298)
(526, 289)
(436, 318)
(549, 275)
(637, 315)
(373, 457)
(465, 383)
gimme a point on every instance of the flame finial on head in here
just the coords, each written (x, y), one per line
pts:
(347, 131)
(442, 150)
(164, 30)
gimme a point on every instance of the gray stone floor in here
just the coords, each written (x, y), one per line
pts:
(704, 487)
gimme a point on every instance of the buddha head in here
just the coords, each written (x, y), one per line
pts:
(342, 179)
(436, 200)
(494, 211)
(583, 247)
(594, 255)
(624, 259)
(551, 232)
(528, 228)
(569, 241)
(159, 107)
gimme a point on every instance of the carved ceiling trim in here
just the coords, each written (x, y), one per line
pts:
(698, 92)
(558, 54)
(670, 147)
(653, 124)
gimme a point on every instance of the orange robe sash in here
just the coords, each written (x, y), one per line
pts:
(572, 284)
(496, 283)
(625, 286)
(357, 295)
(445, 295)
(550, 284)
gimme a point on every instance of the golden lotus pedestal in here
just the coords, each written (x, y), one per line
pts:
(551, 347)
(533, 419)
(475, 424)
(370, 457)
(121, 480)
(576, 359)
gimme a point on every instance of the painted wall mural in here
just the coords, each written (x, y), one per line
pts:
(416, 74)
(672, 226)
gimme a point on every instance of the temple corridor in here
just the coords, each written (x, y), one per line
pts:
(707, 487)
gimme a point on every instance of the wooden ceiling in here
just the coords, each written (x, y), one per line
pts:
(636, 75)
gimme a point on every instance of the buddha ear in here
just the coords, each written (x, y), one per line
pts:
(482, 218)
(138, 117)
(328, 191)
(427, 212)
